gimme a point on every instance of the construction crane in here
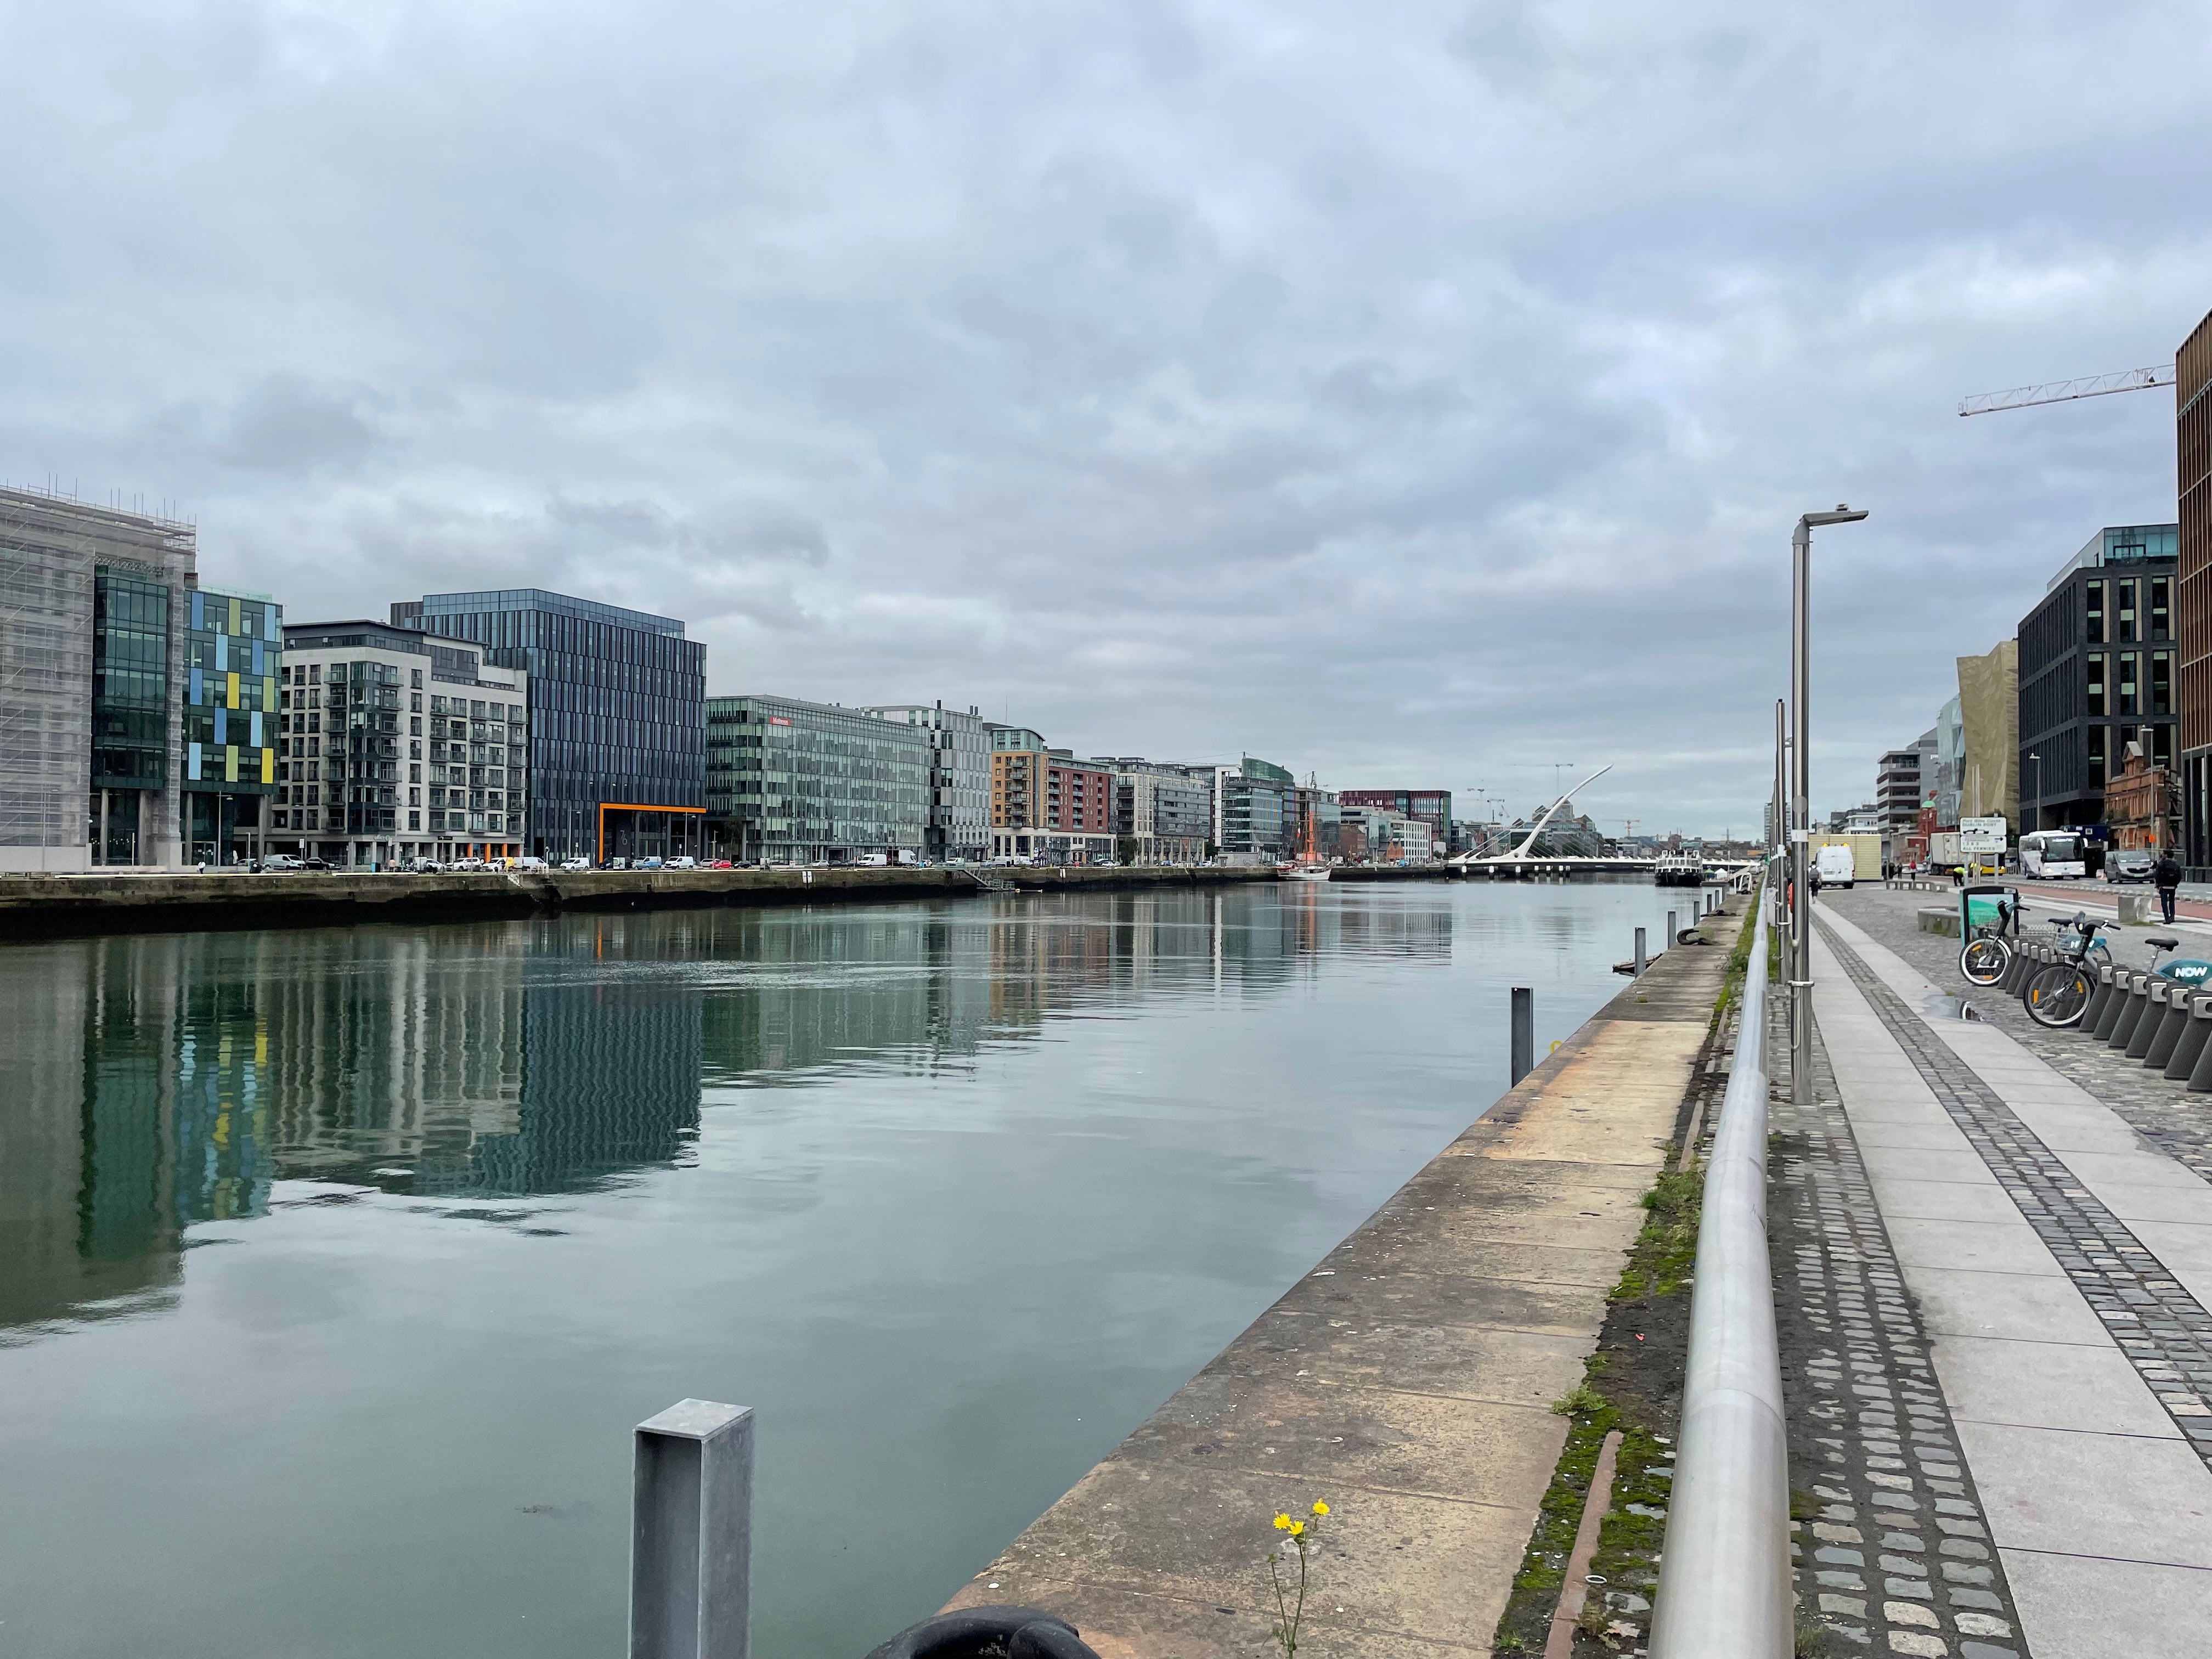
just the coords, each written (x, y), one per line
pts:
(2060, 392)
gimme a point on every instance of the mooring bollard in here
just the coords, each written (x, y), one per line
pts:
(1673, 932)
(691, 1534)
(1640, 958)
(1523, 1059)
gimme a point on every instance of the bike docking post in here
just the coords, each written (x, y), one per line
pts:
(2168, 1036)
(2181, 1064)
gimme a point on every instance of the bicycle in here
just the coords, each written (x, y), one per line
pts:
(2058, 995)
(1985, 956)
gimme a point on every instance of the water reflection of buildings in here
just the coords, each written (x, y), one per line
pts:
(171, 1081)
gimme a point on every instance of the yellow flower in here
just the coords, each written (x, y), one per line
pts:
(1319, 1508)
(1296, 1529)
(1282, 1523)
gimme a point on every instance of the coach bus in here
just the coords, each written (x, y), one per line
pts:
(2051, 852)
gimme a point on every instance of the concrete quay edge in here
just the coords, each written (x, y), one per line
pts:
(47, 906)
(1407, 1379)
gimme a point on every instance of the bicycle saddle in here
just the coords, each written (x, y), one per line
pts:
(2164, 943)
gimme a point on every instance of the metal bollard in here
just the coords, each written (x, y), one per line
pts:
(691, 1534)
(2165, 1040)
(1640, 958)
(2153, 1017)
(2181, 1065)
(1524, 1025)
(2016, 969)
(1673, 932)
(2200, 1075)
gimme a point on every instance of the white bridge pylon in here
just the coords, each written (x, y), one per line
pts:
(1465, 859)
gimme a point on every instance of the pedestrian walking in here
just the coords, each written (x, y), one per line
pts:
(2168, 875)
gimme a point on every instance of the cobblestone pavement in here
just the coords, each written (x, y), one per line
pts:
(1891, 1554)
(2170, 1119)
(2163, 1329)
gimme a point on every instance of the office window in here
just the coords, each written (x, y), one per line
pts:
(2127, 686)
(2123, 602)
(2097, 756)
(2161, 625)
(2161, 746)
(2095, 698)
(2161, 683)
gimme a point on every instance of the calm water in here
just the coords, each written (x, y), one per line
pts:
(336, 1266)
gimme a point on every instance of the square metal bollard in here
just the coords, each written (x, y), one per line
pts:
(691, 1534)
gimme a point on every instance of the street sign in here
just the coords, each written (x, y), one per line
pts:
(1982, 834)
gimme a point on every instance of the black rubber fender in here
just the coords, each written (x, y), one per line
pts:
(987, 1633)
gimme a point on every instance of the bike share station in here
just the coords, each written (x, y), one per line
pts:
(2160, 1016)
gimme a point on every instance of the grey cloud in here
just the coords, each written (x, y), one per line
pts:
(1420, 393)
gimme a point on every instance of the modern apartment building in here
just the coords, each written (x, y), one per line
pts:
(1045, 803)
(398, 745)
(1433, 804)
(93, 603)
(959, 825)
(1163, 811)
(795, 782)
(2192, 447)
(2098, 670)
(234, 657)
(617, 754)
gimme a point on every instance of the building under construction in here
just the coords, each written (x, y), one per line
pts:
(93, 606)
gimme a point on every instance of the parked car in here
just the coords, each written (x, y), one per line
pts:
(646, 864)
(684, 861)
(422, 866)
(279, 862)
(529, 863)
(2131, 864)
(719, 863)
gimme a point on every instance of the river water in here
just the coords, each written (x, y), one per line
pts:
(337, 1265)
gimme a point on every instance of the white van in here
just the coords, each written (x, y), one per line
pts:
(1837, 866)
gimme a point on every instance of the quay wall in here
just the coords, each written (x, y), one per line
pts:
(1408, 1380)
(45, 906)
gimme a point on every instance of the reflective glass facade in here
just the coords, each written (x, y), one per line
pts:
(617, 706)
(792, 782)
(129, 709)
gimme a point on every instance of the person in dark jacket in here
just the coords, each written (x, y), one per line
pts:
(2168, 875)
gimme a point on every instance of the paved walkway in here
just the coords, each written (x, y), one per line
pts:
(2060, 1265)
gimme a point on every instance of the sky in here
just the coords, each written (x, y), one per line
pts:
(1417, 395)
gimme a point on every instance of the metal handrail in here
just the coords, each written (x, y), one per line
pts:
(1725, 1584)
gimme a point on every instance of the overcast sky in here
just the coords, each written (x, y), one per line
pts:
(1413, 394)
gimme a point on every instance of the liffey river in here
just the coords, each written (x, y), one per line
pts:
(337, 1265)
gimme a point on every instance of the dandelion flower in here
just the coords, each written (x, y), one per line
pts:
(1319, 1508)
(1296, 1529)
(1282, 1523)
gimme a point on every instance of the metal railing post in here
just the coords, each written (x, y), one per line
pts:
(691, 1534)
(1641, 959)
(1672, 929)
(1523, 1059)
(1724, 1588)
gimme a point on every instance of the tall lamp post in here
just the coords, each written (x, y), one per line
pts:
(2038, 759)
(1801, 816)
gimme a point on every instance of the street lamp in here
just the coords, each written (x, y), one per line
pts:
(2038, 759)
(1801, 821)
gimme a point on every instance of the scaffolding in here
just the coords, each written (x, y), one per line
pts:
(50, 546)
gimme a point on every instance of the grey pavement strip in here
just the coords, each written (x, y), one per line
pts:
(2164, 1331)
(1896, 1518)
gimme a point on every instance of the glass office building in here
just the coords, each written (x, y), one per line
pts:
(233, 647)
(617, 722)
(793, 782)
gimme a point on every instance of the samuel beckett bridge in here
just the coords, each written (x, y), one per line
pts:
(1524, 861)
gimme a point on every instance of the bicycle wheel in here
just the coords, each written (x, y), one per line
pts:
(1984, 960)
(2056, 996)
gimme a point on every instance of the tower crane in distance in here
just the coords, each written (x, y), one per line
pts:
(2062, 392)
